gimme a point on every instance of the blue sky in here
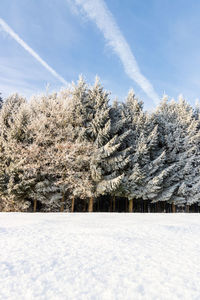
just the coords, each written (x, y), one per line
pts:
(163, 36)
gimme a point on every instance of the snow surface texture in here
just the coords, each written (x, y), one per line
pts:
(99, 256)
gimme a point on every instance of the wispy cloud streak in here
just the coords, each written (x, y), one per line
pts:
(15, 36)
(98, 11)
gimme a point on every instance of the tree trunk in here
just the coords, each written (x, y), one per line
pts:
(90, 207)
(35, 206)
(126, 208)
(62, 203)
(164, 205)
(187, 208)
(131, 205)
(145, 205)
(110, 208)
(173, 208)
(114, 203)
(72, 208)
(84, 207)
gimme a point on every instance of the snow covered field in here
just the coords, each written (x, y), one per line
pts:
(99, 256)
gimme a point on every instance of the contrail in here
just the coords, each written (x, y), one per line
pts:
(98, 11)
(15, 36)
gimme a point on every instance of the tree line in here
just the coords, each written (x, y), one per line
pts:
(76, 151)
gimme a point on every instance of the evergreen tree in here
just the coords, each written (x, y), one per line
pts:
(112, 154)
(179, 136)
(46, 159)
(146, 174)
(80, 111)
(13, 138)
(1, 101)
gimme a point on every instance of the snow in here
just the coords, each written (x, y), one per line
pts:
(99, 256)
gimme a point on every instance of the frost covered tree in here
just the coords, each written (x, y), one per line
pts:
(180, 137)
(14, 117)
(109, 135)
(1, 101)
(196, 112)
(89, 118)
(79, 117)
(47, 129)
(80, 111)
(145, 175)
(3, 179)
(100, 126)
(57, 154)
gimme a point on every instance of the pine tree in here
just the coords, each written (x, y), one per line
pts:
(99, 126)
(146, 172)
(112, 154)
(45, 159)
(179, 136)
(13, 138)
(80, 111)
(1, 101)
(80, 124)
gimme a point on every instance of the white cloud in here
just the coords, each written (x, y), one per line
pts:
(100, 14)
(9, 31)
